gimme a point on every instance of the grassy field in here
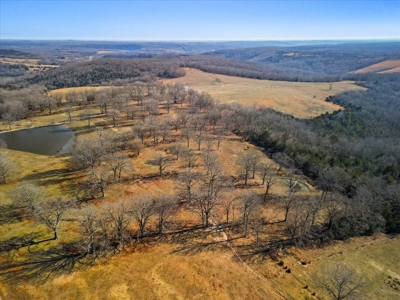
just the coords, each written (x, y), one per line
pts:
(192, 265)
(387, 66)
(32, 64)
(374, 258)
(301, 99)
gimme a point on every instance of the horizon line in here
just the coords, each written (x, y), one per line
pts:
(204, 40)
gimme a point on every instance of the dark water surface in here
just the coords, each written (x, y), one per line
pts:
(49, 140)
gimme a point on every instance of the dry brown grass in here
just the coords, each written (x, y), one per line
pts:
(387, 66)
(301, 99)
(32, 64)
(191, 268)
(158, 272)
(374, 258)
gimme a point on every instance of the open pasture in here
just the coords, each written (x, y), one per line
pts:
(32, 64)
(387, 66)
(300, 99)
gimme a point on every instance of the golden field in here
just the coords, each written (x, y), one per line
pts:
(32, 64)
(300, 99)
(387, 66)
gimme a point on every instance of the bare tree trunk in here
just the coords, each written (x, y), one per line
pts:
(55, 234)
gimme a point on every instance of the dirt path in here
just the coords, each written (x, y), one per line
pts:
(162, 288)
(221, 229)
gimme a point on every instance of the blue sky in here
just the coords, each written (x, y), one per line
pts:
(199, 20)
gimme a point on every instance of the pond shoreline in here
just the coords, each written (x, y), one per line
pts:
(41, 139)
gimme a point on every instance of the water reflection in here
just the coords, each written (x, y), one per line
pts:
(49, 140)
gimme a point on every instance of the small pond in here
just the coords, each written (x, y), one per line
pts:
(49, 140)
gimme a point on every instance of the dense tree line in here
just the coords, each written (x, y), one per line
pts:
(301, 63)
(11, 70)
(105, 71)
(353, 152)
(14, 53)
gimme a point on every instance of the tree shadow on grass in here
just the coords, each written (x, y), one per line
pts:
(41, 265)
(194, 240)
(194, 248)
(270, 249)
(55, 176)
(11, 213)
(16, 243)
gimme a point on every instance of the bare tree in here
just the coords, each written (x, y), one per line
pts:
(153, 125)
(227, 205)
(258, 225)
(6, 168)
(118, 213)
(139, 92)
(168, 104)
(268, 175)
(165, 206)
(8, 118)
(68, 110)
(176, 149)
(245, 166)
(88, 114)
(165, 128)
(292, 181)
(189, 158)
(50, 103)
(187, 133)
(161, 161)
(58, 97)
(114, 116)
(339, 281)
(300, 220)
(142, 208)
(141, 130)
(255, 160)
(185, 183)
(333, 206)
(96, 183)
(177, 92)
(198, 138)
(118, 162)
(136, 146)
(89, 153)
(50, 213)
(287, 203)
(70, 97)
(220, 136)
(90, 224)
(28, 196)
(208, 196)
(209, 139)
(152, 107)
(248, 203)
(102, 101)
(209, 159)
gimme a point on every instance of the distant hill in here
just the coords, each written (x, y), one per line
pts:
(14, 53)
(387, 66)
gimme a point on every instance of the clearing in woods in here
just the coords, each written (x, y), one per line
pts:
(300, 99)
(32, 64)
(387, 66)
